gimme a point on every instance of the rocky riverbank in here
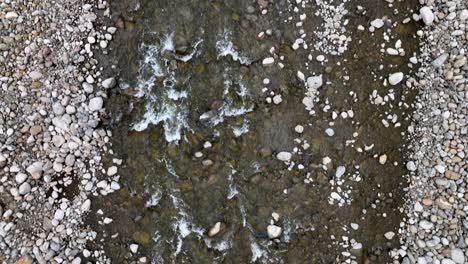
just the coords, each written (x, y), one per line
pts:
(435, 229)
(52, 141)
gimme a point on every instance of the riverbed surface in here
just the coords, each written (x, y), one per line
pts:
(202, 120)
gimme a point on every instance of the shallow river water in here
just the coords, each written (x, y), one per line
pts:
(199, 139)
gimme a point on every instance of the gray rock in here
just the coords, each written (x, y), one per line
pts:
(314, 82)
(427, 15)
(457, 255)
(24, 188)
(284, 156)
(95, 104)
(274, 231)
(35, 75)
(395, 78)
(109, 83)
(411, 166)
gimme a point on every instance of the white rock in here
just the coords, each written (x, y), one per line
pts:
(95, 104)
(284, 156)
(274, 231)
(268, 61)
(109, 83)
(24, 188)
(330, 132)
(377, 23)
(314, 82)
(86, 205)
(411, 166)
(299, 129)
(457, 255)
(115, 186)
(20, 178)
(440, 168)
(427, 15)
(439, 61)
(59, 214)
(134, 248)
(424, 224)
(35, 75)
(11, 15)
(340, 171)
(389, 235)
(35, 169)
(383, 159)
(277, 99)
(275, 216)
(111, 171)
(300, 76)
(215, 230)
(395, 78)
(464, 15)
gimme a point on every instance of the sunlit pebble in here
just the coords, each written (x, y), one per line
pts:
(330, 132)
(266, 81)
(326, 160)
(198, 154)
(383, 159)
(264, 11)
(334, 115)
(207, 144)
(299, 129)
(320, 58)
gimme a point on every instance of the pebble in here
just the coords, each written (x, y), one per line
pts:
(24, 188)
(268, 61)
(377, 23)
(299, 129)
(314, 82)
(330, 132)
(411, 166)
(457, 255)
(95, 104)
(284, 156)
(427, 15)
(134, 248)
(109, 83)
(274, 231)
(383, 159)
(389, 235)
(215, 229)
(395, 78)
(340, 171)
(11, 15)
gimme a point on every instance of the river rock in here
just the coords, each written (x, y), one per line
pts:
(109, 83)
(284, 156)
(215, 230)
(95, 104)
(274, 231)
(24, 188)
(314, 82)
(395, 78)
(427, 15)
(457, 255)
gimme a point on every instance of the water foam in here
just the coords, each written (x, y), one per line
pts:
(225, 47)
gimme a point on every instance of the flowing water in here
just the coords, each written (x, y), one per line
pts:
(198, 138)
